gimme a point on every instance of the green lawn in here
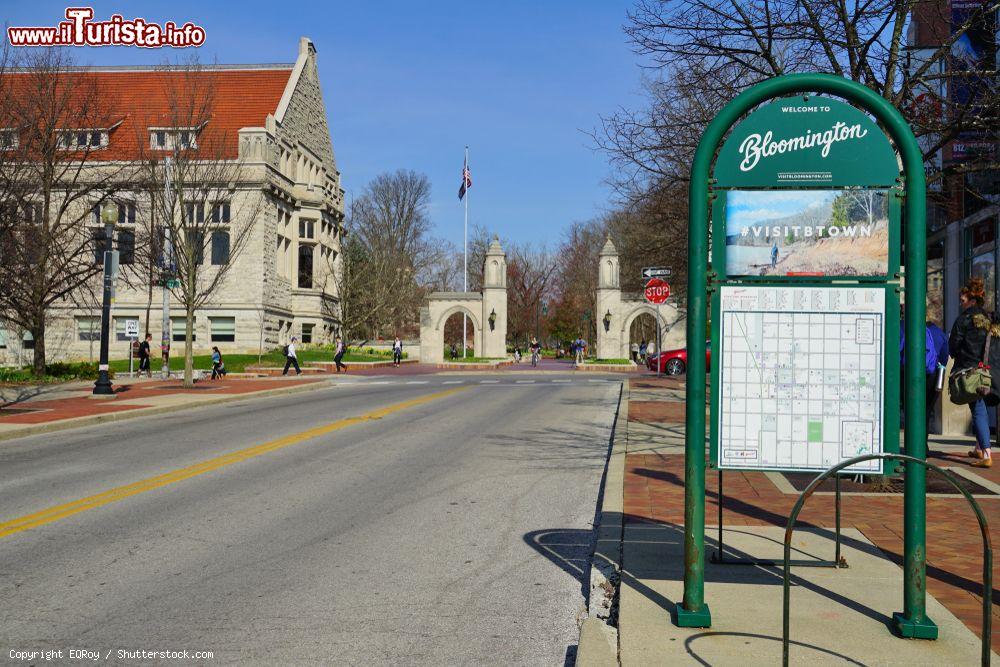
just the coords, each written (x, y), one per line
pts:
(237, 363)
(473, 360)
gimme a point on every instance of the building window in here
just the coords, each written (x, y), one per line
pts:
(307, 229)
(3, 338)
(79, 140)
(307, 333)
(220, 212)
(97, 243)
(165, 139)
(126, 246)
(197, 241)
(223, 329)
(126, 214)
(9, 139)
(980, 257)
(220, 248)
(88, 328)
(27, 341)
(178, 327)
(306, 266)
(194, 211)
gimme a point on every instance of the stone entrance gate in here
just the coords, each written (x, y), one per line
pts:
(487, 312)
(616, 312)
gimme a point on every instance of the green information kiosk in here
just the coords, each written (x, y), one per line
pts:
(806, 198)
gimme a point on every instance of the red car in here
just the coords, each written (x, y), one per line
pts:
(674, 362)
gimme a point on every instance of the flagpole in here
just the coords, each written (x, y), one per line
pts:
(465, 253)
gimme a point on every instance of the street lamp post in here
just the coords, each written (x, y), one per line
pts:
(109, 215)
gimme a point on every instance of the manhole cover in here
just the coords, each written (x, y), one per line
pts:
(872, 484)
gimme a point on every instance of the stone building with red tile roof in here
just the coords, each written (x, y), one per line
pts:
(271, 120)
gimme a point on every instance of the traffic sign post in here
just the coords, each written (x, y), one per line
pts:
(657, 292)
(829, 148)
(132, 333)
(656, 272)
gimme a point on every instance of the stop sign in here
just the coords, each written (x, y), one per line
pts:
(657, 291)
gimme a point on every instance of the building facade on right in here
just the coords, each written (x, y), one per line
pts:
(954, 44)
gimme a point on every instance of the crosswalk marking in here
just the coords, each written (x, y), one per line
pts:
(488, 381)
(562, 381)
(525, 382)
(417, 382)
(452, 382)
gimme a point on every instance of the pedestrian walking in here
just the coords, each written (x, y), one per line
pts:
(968, 343)
(774, 255)
(578, 344)
(339, 354)
(454, 352)
(397, 352)
(218, 366)
(935, 361)
(634, 348)
(291, 357)
(643, 348)
(144, 352)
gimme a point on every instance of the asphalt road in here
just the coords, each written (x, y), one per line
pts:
(450, 525)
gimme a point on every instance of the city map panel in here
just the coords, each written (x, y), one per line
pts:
(801, 379)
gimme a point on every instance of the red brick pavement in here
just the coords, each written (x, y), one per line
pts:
(83, 406)
(654, 490)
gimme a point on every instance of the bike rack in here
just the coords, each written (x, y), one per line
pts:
(983, 527)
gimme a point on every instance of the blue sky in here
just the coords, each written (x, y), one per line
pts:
(409, 84)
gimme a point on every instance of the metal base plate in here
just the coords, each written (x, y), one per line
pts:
(925, 629)
(693, 619)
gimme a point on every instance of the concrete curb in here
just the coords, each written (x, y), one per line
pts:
(598, 643)
(609, 368)
(78, 422)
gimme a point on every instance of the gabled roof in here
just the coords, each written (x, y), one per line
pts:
(139, 98)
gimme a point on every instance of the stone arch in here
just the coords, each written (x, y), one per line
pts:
(486, 309)
(622, 309)
(458, 308)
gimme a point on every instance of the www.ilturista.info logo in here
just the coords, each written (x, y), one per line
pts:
(80, 30)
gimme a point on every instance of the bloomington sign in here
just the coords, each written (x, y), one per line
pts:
(806, 140)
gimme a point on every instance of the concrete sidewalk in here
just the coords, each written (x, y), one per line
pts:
(28, 410)
(837, 615)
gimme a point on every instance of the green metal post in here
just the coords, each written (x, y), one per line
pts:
(912, 621)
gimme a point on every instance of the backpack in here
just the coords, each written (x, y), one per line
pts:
(285, 350)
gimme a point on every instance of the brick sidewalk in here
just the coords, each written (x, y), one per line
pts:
(654, 490)
(74, 403)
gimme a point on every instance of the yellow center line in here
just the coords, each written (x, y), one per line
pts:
(58, 512)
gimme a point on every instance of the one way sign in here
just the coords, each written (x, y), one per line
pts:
(656, 272)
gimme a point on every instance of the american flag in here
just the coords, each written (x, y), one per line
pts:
(466, 179)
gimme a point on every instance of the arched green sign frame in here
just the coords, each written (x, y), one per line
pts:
(693, 611)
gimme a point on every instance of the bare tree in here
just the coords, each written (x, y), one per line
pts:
(701, 53)
(58, 121)
(530, 273)
(204, 199)
(389, 257)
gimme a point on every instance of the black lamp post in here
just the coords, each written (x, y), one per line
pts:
(109, 216)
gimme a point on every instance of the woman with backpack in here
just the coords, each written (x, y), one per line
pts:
(397, 352)
(971, 335)
(218, 367)
(339, 354)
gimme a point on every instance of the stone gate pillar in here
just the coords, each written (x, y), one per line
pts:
(609, 301)
(495, 302)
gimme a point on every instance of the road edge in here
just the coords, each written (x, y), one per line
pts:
(92, 420)
(598, 644)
